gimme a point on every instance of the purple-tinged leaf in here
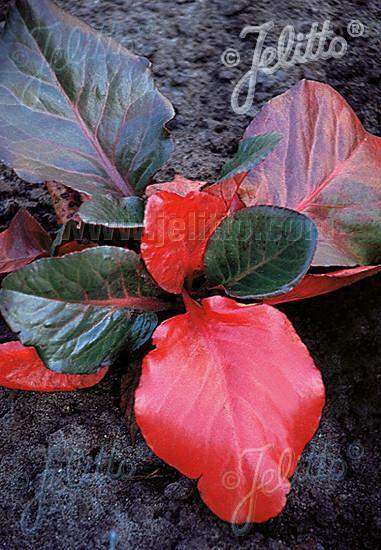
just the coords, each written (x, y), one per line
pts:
(326, 166)
(75, 106)
(23, 241)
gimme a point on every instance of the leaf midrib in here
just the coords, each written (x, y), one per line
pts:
(142, 303)
(124, 187)
(254, 268)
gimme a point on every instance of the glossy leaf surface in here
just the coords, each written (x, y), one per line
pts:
(260, 251)
(176, 232)
(23, 241)
(326, 166)
(22, 369)
(113, 211)
(230, 396)
(315, 284)
(81, 309)
(75, 106)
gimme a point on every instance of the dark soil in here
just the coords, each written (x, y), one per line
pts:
(70, 476)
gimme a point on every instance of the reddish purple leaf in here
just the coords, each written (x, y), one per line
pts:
(77, 107)
(23, 241)
(316, 284)
(326, 166)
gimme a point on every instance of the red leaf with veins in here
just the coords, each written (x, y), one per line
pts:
(326, 166)
(230, 396)
(322, 283)
(176, 232)
(179, 185)
(23, 241)
(22, 369)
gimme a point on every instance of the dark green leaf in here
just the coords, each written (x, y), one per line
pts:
(81, 309)
(260, 251)
(251, 151)
(113, 212)
(75, 106)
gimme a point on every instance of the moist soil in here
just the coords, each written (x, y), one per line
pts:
(71, 475)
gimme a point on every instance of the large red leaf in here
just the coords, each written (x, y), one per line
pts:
(176, 232)
(23, 241)
(316, 284)
(22, 369)
(230, 396)
(326, 166)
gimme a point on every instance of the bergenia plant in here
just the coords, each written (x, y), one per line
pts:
(229, 395)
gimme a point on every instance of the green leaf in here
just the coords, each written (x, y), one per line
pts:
(81, 309)
(76, 107)
(260, 251)
(251, 151)
(113, 212)
(58, 239)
